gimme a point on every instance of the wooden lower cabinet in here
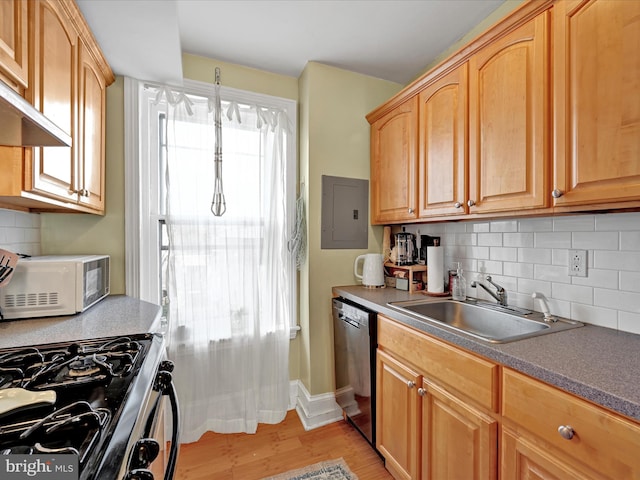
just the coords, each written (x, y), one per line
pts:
(522, 459)
(458, 440)
(398, 416)
(424, 430)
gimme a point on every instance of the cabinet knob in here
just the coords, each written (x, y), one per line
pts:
(411, 210)
(411, 384)
(471, 203)
(457, 205)
(556, 193)
(422, 391)
(566, 432)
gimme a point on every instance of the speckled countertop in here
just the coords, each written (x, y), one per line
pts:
(114, 316)
(599, 364)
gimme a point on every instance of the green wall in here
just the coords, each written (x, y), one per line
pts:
(334, 140)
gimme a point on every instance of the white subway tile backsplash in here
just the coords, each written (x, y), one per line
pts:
(629, 322)
(534, 255)
(628, 261)
(560, 256)
(617, 221)
(598, 278)
(618, 299)
(595, 240)
(572, 293)
(455, 227)
(528, 286)
(488, 267)
(20, 232)
(531, 254)
(481, 253)
(581, 223)
(630, 240)
(603, 317)
(514, 269)
(552, 240)
(504, 226)
(552, 273)
(479, 227)
(629, 281)
(518, 239)
(466, 239)
(490, 239)
(535, 225)
(506, 254)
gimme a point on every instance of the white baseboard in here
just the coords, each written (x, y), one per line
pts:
(314, 411)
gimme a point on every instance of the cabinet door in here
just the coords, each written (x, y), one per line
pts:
(597, 105)
(91, 132)
(394, 147)
(523, 459)
(397, 416)
(53, 91)
(508, 121)
(13, 43)
(442, 146)
(459, 441)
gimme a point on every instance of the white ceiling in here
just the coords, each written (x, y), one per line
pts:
(388, 39)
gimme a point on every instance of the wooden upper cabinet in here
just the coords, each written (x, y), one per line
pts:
(443, 146)
(508, 121)
(53, 91)
(394, 155)
(91, 132)
(597, 102)
(14, 54)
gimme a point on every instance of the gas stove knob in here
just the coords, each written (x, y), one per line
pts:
(163, 381)
(139, 474)
(145, 451)
(166, 366)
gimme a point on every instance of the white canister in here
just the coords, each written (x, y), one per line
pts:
(372, 269)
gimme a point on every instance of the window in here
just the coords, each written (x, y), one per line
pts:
(146, 192)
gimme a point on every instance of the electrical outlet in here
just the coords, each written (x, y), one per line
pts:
(577, 263)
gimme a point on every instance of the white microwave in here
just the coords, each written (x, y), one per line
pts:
(55, 285)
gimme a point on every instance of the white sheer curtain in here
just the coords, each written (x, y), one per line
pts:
(229, 276)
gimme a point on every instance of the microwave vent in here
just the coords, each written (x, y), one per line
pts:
(23, 300)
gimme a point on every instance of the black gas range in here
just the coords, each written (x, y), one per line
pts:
(99, 400)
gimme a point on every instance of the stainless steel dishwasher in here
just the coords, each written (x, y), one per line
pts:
(354, 334)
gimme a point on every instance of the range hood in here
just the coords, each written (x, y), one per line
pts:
(21, 125)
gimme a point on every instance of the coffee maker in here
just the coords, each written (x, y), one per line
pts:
(406, 251)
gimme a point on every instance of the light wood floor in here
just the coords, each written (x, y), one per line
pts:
(275, 449)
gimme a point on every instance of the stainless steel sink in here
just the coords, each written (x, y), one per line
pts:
(490, 322)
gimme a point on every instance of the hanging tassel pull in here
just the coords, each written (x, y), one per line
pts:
(218, 203)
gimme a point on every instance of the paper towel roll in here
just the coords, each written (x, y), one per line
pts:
(435, 269)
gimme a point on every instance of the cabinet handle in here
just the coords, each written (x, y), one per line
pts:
(411, 384)
(457, 205)
(411, 210)
(422, 391)
(471, 203)
(84, 192)
(557, 193)
(566, 432)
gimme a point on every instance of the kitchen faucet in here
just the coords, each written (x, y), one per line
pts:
(501, 293)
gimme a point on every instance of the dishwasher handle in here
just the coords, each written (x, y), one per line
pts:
(345, 319)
